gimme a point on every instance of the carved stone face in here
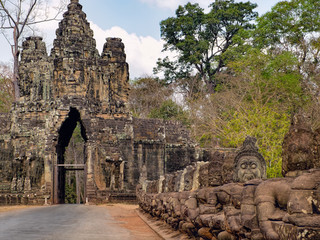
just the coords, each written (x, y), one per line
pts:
(248, 168)
(299, 153)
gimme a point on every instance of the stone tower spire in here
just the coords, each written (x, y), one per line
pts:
(74, 68)
(74, 53)
(74, 36)
(34, 70)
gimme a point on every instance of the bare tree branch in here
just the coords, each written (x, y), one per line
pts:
(17, 16)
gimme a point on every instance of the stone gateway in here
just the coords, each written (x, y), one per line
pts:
(76, 86)
(75, 91)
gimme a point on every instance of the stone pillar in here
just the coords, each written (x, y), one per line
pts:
(27, 184)
(160, 155)
(113, 177)
(91, 193)
(142, 177)
(121, 177)
(48, 169)
(13, 184)
(90, 160)
(20, 185)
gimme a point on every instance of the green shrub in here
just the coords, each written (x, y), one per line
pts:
(264, 123)
(169, 110)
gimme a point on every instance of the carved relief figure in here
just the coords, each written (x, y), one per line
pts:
(292, 200)
(249, 163)
(300, 147)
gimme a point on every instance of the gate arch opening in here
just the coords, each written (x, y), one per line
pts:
(64, 165)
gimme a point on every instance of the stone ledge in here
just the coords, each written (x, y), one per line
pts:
(161, 228)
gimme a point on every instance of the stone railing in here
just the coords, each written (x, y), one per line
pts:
(191, 201)
(216, 172)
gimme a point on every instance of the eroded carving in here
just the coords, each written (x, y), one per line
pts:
(76, 86)
(249, 163)
(257, 209)
(300, 147)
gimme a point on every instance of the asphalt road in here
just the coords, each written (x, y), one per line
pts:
(61, 222)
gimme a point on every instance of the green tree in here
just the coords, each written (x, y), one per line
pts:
(259, 94)
(18, 17)
(6, 88)
(70, 190)
(269, 79)
(169, 110)
(268, 125)
(293, 26)
(201, 40)
(271, 92)
(289, 23)
(146, 94)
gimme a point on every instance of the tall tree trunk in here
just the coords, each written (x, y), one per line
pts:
(210, 84)
(16, 77)
(15, 53)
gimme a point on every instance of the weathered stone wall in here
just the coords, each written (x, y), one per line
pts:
(4, 123)
(35, 71)
(6, 154)
(119, 153)
(76, 85)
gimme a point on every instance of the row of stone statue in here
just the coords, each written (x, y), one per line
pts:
(250, 207)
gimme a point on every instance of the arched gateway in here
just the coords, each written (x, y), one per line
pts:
(61, 166)
(77, 85)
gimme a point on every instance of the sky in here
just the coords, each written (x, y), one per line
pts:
(135, 21)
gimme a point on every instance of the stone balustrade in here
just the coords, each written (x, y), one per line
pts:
(232, 208)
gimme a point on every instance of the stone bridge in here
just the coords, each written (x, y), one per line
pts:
(206, 194)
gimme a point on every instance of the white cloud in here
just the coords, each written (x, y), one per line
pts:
(173, 4)
(47, 9)
(142, 52)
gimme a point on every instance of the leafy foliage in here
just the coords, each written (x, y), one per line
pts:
(146, 94)
(70, 191)
(271, 79)
(262, 122)
(6, 88)
(259, 94)
(201, 40)
(294, 26)
(169, 110)
(289, 23)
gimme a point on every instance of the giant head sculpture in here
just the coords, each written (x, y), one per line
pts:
(300, 147)
(249, 163)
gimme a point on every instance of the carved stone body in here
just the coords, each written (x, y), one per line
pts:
(258, 209)
(301, 147)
